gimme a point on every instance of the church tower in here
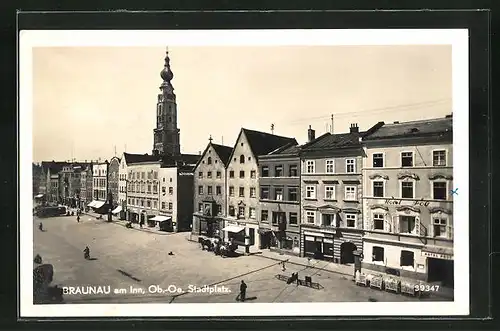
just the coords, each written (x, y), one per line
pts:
(166, 133)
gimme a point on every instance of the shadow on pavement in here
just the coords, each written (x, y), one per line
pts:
(247, 299)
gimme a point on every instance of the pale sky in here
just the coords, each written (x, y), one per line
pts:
(87, 100)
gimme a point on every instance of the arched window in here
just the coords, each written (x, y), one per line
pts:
(242, 158)
(209, 160)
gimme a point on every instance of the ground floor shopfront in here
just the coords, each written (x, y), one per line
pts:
(238, 230)
(207, 226)
(331, 244)
(425, 261)
(285, 241)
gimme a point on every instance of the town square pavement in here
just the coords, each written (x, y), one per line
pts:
(125, 258)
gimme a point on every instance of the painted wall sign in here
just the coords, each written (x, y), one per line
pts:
(438, 256)
(399, 202)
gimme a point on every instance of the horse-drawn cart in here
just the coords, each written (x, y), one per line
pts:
(307, 281)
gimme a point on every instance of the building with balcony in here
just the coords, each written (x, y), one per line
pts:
(243, 182)
(210, 196)
(331, 189)
(113, 183)
(100, 188)
(122, 187)
(279, 207)
(408, 204)
(86, 186)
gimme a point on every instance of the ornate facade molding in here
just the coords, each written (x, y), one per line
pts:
(440, 176)
(351, 210)
(375, 176)
(410, 175)
(434, 210)
(408, 208)
(379, 207)
(310, 208)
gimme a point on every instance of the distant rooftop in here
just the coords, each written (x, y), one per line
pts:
(414, 128)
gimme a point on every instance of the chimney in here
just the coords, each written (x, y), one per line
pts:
(199, 152)
(449, 116)
(311, 134)
(354, 128)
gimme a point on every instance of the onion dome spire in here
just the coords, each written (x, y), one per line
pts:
(167, 75)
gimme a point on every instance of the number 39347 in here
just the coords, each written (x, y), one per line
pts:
(426, 288)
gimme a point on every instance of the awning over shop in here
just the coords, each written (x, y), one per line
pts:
(160, 218)
(98, 204)
(233, 228)
(91, 204)
(39, 196)
(117, 210)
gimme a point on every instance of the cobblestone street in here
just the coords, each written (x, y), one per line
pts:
(127, 258)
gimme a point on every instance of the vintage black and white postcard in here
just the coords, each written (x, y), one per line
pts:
(244, 173)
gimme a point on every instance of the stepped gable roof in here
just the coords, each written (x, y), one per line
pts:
(262, 143)
(140, 158)
(431, 127)
(336, 140)
(224, 152)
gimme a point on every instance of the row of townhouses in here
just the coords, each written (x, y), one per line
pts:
(384, 193)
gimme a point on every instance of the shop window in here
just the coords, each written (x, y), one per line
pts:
(310, 217)
(310, 167)
(439, 227)
(210, 190)
(231, 191)
(378, 189)
(407, 159)
(350, 166)
(293, 170)
(218, 190)
(378, 160)
(231, 211)
(219, 174)
(328, 219)
(264, 216)
(242, 192)
(278, 171)
(200, 189)
(293, 218)
(439, 158)
(439, 191)
(264, 192)
(209, 174)
(253, 192)
(378, 221)
(407, 190)
(406, 224)
(311, 192)
(350, 220)
(330, 192)
(377, 254)
(278, 194)
(407, 259)
(265, 171)
(252, 212)
(231, 174)
(350, 193)
(293, 194)
(242, 158)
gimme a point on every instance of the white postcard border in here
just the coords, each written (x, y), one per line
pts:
(458, 38)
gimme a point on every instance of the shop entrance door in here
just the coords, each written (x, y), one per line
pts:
(347, 252)
(440, 270)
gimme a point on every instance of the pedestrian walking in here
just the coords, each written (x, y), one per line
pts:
(78, 218)
(243, 291)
